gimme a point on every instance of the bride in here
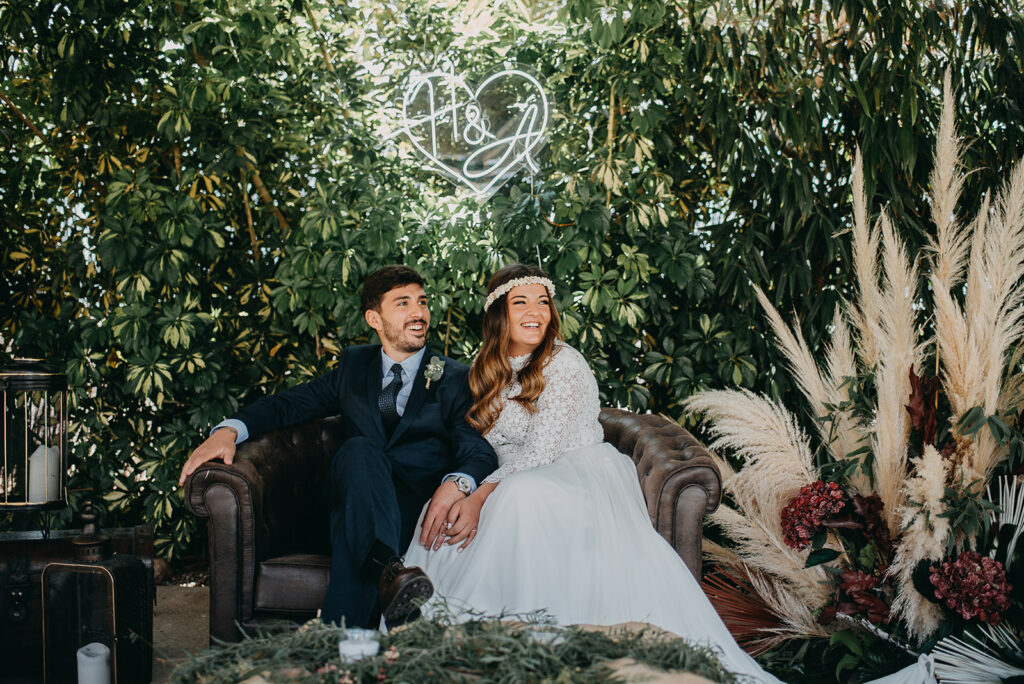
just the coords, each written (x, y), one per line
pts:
(561, 525)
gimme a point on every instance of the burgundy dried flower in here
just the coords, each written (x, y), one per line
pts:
(857, 580)
(804, 513)
(855, 594)
(974, 586)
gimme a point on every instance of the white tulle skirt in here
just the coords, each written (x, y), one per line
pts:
(574, 539)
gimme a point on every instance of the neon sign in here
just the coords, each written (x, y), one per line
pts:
(479, 137)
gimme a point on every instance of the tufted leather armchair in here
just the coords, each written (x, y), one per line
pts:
(269, 550)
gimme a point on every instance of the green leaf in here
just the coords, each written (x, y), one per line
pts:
(849, 639)
(971, 421)
(819, 556)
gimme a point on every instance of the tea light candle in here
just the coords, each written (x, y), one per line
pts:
(94, 664)
(358, 644)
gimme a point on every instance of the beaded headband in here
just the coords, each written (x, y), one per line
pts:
(528, 280)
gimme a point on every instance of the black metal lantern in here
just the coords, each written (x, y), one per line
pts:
(34, 437)
(97, 613)
(103, 607)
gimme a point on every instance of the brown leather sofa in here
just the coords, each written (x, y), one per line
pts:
(269, 552)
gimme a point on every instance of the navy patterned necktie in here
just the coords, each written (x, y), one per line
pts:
(388, 400)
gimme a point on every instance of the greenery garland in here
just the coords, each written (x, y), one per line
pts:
(440, 649)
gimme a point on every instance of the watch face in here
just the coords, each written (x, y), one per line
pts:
(463, 485)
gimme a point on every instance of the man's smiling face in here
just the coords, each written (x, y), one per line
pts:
(402, 321)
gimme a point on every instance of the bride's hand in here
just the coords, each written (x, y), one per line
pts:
(463, 519)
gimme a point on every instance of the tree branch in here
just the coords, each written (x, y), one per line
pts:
(611, 142)
(261, 189)
(323, 43)
(32, 126)
(248, 218)
(267, 199)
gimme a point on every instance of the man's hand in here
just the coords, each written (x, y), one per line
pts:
(221, 444)
(436, 519)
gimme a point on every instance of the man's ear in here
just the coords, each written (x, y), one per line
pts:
(373, 319)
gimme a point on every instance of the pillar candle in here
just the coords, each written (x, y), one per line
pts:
(94, 664)
(44, 474)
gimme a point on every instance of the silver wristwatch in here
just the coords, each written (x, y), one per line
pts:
(464, 484)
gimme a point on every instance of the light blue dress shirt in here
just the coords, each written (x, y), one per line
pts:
(409, 368)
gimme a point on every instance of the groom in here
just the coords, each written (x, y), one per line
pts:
(406, 442)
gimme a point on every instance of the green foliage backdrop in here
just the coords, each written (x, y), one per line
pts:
(191, 192)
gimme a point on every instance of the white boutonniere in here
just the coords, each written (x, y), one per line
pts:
(434, 371)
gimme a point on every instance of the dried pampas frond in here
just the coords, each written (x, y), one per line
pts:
(801, 361)
(866, 315)
(762, 551)
(789, 605)
(824, 393)
(950, 243)
(1002, 307)
(924, 538)
(777, 454)
(901, 352)
(745, 614)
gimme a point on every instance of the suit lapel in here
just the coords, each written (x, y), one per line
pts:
(374, 378)
(417, 397)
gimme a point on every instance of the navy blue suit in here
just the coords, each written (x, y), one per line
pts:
(378, 484)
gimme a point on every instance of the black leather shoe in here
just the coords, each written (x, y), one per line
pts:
(402, 591)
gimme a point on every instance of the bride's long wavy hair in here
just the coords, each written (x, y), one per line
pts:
(491, 372)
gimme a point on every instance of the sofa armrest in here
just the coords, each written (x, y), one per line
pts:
(680, 481)
(231, 497)
(268, 503)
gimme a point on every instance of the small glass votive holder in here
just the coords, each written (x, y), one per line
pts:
(359, 644)
(552, 636)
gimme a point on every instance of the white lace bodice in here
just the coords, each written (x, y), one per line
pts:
(566, 417)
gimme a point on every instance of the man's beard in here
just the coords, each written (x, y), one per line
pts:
(395, 336)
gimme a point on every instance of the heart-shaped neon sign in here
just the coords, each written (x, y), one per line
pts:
(480, 136)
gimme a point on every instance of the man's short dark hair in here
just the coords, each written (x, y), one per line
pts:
(383, 280)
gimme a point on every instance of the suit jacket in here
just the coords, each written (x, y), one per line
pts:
(431, 440)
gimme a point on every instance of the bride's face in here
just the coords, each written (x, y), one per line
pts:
(529, 313)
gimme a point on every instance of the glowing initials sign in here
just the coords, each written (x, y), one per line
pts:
(476, 136)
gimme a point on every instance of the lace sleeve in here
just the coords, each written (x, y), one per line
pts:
(568, 403)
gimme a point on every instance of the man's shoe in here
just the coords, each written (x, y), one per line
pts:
(402, 591)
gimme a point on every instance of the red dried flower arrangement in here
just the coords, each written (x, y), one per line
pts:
(803, 515)
(974, 586)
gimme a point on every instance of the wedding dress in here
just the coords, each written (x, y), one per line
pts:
(567, 530)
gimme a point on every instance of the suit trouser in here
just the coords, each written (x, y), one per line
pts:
(366, 505)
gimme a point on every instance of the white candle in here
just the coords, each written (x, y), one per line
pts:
(361, 643)
(94, 664)
(43, 474)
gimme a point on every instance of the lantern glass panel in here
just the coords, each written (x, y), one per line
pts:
(80, 611)
(108, 602)
(34, 439)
